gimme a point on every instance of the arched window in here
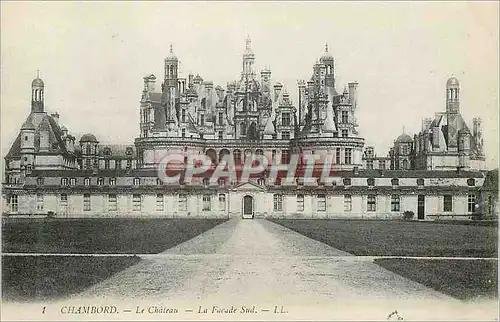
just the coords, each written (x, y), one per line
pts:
(243, 128)
(86, 181)
(405, 164)
(206, 181)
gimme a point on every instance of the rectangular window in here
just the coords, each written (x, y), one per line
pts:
(285, 135)
(112, 181)
(395, 203)
(39, 202)
(369, 164)
(278, 202)
(347, 202)
(321, 203)
(300, 202)
(221, 118)
(222, 202)
(371, 203)
(182, 203)
(183, 116)
(285, 119)
(381, 165)
(86, 202)
(159, 202)
(337, 156)
(129, 164)
(448, 203)
(112, 203)
(64, 201)
(106, 162)
(86, 181)
(345, 117)
(348, 156)
(345, 133)
(72, 181)
(118, 164)
(183, 133)
(64, 181)
(206, 203)
(221, 135)
(471, 203)
(285, 157)
(100, 181)
(39, 181)
(137, 181)
(14, 206)
(136, 202)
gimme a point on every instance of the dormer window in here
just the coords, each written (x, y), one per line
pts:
(129, 151)
(107, 152)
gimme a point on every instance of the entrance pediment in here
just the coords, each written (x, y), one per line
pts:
(248, 186)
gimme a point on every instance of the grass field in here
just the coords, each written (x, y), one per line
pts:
(462, 279)
(466, 279)
(43, 278)
(28, 278)
(99, 235)
(399, 238)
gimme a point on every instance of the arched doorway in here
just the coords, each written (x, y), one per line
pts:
(248, 207)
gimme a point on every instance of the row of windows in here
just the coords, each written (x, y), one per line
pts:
(371, 202)
(137, 181)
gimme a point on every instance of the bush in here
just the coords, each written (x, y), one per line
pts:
(408, 215)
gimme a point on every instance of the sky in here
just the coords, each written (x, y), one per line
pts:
(93, 56)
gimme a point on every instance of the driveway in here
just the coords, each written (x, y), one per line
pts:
(283, 274)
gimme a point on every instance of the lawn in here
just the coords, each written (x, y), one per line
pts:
(99, 235)
(43, 278)
(462, 279)
(399, 238)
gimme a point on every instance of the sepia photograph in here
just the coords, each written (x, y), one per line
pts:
(256, 161)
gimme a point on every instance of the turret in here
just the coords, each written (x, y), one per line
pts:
(452, 95)
(464, 147)
(248, 60)
(328, 61)
(353, 94)
(27, 145)
(37, 94)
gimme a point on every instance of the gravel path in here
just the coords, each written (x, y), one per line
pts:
(257, 262)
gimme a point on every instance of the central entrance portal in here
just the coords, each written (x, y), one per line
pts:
(248, 207)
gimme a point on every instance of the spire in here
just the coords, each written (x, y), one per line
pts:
(404, 130)
(171, 49)
(248, 42)
(326, 47)
(38, 73)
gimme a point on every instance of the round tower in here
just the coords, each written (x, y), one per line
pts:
(37, 94)
(89, 147)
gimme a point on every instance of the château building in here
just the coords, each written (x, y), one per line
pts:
(433, 175)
